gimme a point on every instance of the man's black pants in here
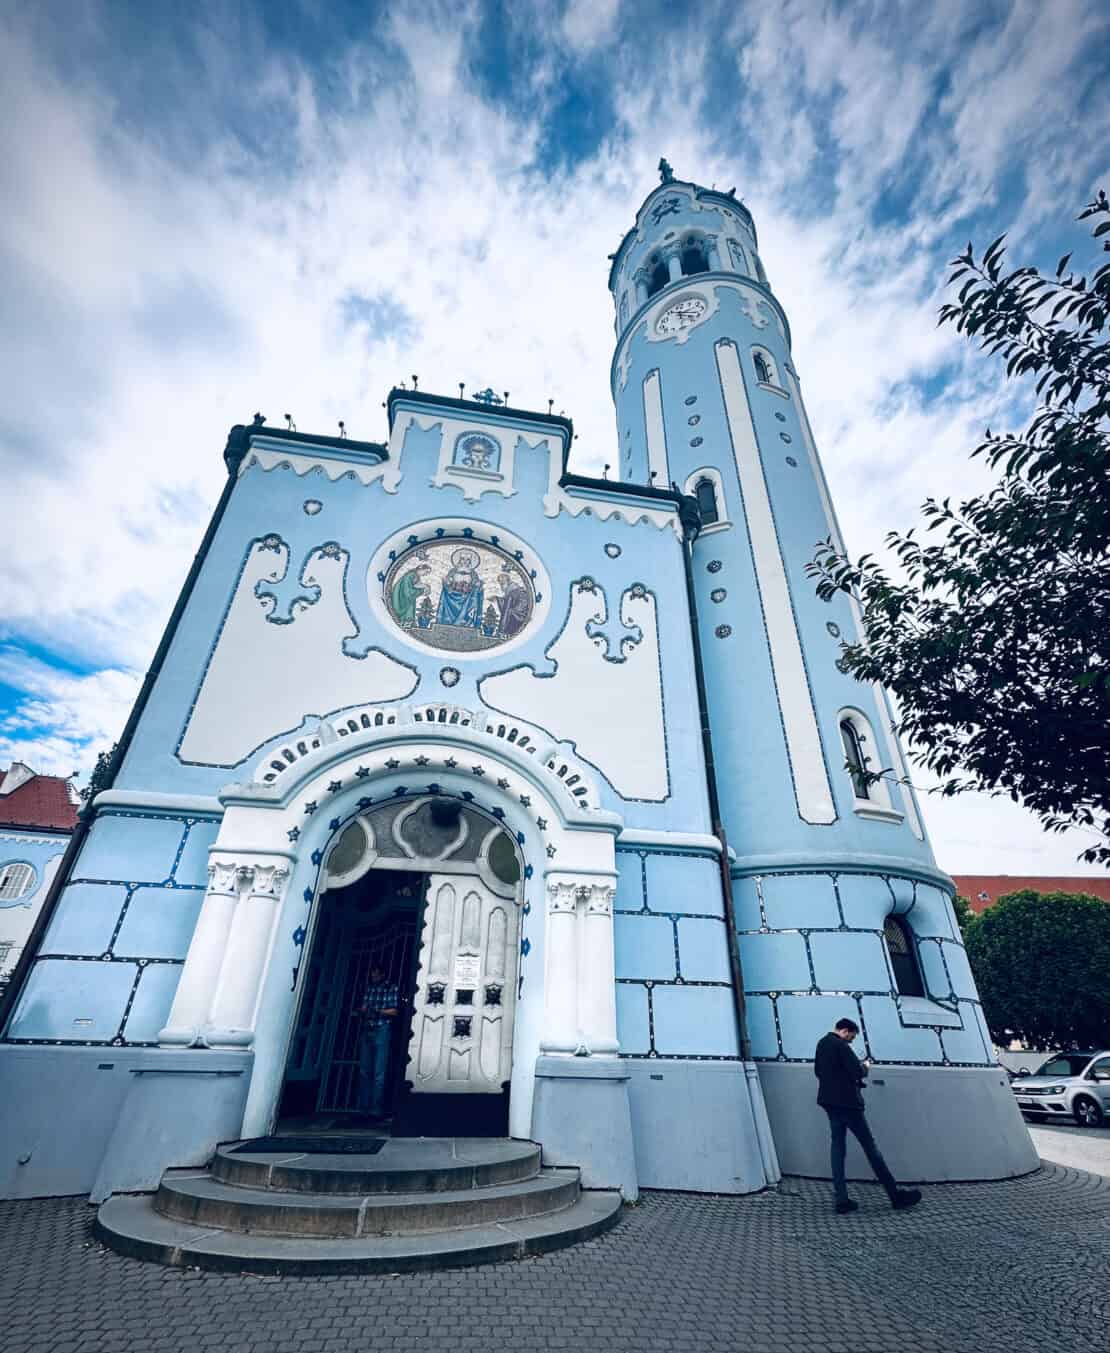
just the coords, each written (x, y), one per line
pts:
(841, 1122)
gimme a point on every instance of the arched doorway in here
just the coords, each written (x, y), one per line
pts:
(408, 985)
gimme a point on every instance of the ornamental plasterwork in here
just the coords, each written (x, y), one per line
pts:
(267, 454)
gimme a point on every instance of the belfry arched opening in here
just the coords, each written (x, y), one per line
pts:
(408, 985)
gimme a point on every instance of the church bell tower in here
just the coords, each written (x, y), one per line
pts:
(840, 907)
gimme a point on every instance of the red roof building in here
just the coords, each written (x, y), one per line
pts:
(983, 890)
(36, 802)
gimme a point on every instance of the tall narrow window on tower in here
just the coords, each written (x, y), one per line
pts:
(766, 372)
(694, 257)
(658, 277)
(706, 494)
(857, 760)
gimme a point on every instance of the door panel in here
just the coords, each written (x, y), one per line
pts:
(465, 990)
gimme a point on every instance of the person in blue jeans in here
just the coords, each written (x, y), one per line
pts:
(840, 1080)
(378, 1010)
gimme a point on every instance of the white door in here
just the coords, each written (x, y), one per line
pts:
(462, 1023)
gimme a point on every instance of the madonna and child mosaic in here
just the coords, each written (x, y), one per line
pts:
(459, 596)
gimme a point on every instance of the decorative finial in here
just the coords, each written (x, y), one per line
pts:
(605, 471)
(259, 419)
(550, 406)
(290, 425)
(487, 396)
(666, 173)
(651, 476)
(506, 394)
(414, 382)
(461, 384)
(342, 428)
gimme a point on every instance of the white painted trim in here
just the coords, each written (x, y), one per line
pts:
(773, 389)
(865, 808)
(159, 803)
(803, 738)
(656, 432)
(893, 742)
(269, 457)
(28, 839)
(639, 836)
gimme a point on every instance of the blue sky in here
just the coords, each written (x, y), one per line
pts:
(212, 208)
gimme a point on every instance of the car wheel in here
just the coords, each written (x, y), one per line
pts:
(1087, 1112)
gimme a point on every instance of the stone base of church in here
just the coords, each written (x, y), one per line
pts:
(580, 1116)
(102, 1120)
(699, 1126)
(932, 1124)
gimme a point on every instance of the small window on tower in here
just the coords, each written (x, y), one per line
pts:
(694, 258)
(903, 956)
(765, 372)
(706, 494)
(857, 761)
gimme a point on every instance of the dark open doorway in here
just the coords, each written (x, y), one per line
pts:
(372, 924)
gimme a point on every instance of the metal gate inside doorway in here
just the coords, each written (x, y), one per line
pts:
(373, 924)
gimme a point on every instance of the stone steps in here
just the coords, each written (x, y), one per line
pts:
(130, 1225)
(418, 1203)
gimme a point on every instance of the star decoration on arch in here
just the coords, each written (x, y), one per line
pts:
(293, 833)
(478, 770)
(551, 852)
(422, 760)
(541, 822)
(502, 783)
(526, 801)
(362, 772)
(310, 807)
(392, 763)
(450, 763)
(335, 786)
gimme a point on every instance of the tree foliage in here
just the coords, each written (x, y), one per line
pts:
(1042, 965)
(995, 641)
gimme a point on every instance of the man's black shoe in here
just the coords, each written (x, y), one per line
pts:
(849, 1206)
(905, 1198)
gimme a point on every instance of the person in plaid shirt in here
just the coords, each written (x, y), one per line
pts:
(378, 1010)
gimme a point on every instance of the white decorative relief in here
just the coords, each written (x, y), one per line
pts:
(269, 456)
(605, 695)
(803, 739)
(278, 662)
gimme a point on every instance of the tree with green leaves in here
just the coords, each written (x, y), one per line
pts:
(995, 640)
(1042, 965)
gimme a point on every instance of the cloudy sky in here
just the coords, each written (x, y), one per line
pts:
(290, 205)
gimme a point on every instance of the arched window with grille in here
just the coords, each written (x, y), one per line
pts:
(16, 880)
(706, 494)
(900, 946)
(766, 373)
(856, 757)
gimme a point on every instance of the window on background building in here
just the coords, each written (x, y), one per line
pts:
(898, 938)
(856, 758)
(706, 494)
(16, 880)
(658, 277)
(694, 258)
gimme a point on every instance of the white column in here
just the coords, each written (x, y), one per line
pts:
(715, 259)
(202, 963)
(641, 291)
(674, 267)
(597, 997)
(560, 989)
(231, 1019)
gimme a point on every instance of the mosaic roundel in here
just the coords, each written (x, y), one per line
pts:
(460, 596)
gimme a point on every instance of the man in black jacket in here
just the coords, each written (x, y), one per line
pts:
(840, 1077)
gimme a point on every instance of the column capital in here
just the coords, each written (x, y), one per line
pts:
(266, 880)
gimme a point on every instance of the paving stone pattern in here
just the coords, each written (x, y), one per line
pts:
(1019, 1266)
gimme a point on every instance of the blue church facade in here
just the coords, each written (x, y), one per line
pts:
(584, 741)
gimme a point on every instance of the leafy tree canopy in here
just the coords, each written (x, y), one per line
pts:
(1042, 965)
(996, 640)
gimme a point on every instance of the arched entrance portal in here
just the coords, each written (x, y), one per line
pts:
(408, 988)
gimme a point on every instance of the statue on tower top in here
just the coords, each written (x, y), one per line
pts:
(666, 173)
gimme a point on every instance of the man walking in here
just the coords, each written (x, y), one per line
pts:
(840, 1077)
(378, 1011)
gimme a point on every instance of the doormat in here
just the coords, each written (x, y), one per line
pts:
(315, 1146)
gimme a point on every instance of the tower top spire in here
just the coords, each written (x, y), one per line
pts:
(666, 173)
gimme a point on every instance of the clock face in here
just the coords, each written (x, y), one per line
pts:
(681, 315)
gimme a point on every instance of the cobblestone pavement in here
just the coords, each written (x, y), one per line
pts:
(1019, 1266)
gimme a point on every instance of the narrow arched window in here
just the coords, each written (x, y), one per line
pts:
(898, 938)
(857, 761)
(762, 368)
(658, 277)
(693, 258)
(706, 494)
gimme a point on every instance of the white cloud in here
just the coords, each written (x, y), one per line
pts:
(587, 24)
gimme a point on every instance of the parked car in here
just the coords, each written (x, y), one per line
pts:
(1068, 1083)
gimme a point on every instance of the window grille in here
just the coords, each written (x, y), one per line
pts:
(16, 880)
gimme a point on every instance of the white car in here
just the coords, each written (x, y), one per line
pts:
(1075, 1084)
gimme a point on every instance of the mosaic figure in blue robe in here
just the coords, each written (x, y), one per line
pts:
(460, 601)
